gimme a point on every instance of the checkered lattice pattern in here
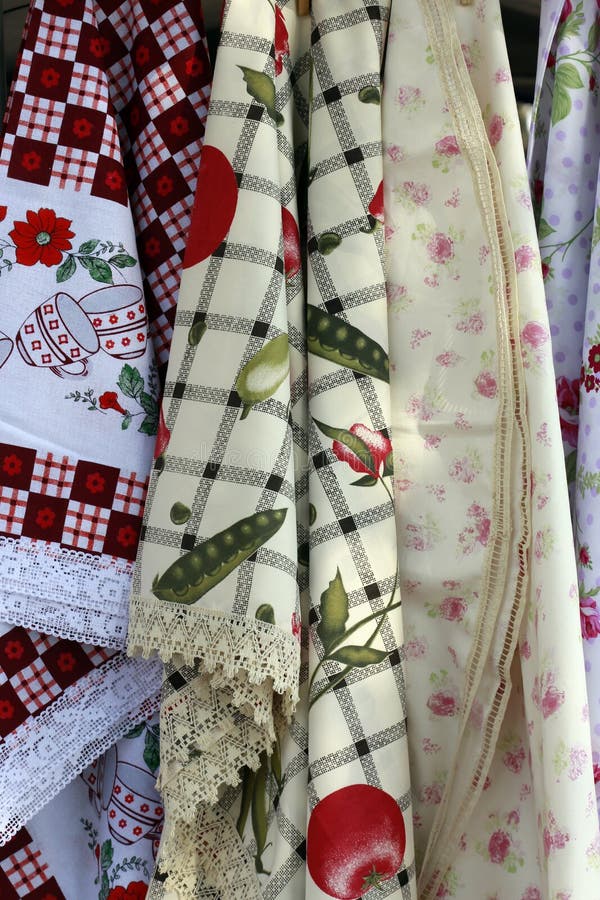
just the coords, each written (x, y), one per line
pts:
(78, 504)
(110, 99)
(24, 873)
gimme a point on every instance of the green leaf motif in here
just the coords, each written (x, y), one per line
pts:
(148, 404)
(333, 611)
(571, 466)
(98, 269)
(545, 230)
(359, 656)
(126, 421)
(594, 35)
(262, 88)
(365, 481)
(131, 382)
(88, 247)
(388, 466)
(196, 333)
(349, 440)
(369, 94)
(328, 242)
(180, 513)
(106, 855)
(568, 76)
(596, 231)
(265, 613)
(149, 425)
(561, 104)
(123, 261)
(135, 732)
(151, 751)
(104, 887)
(66, 270)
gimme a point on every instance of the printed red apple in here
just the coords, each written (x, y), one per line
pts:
(214, 206)
(356, 841)
(291, 244)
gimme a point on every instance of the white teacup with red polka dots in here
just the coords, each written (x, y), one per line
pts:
(118, 316)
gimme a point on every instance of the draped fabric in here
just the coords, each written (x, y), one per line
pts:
(98, 166)
(563, 169)
(350, 494)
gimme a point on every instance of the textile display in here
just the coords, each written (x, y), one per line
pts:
(362, 319)
(108, 103)
(563, 167)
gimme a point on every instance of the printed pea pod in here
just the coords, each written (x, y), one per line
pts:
(335, 340)
(264, 373)
(262, 88)
(248, 779)
(260, 820)
(360, 657)
(333, 611)
(198, 571)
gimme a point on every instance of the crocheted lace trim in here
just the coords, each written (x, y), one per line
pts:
(66, 593)
(45, 753)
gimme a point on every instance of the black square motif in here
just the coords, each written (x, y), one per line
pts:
(234, 399)
(260, 329)
(188, 542)
(301, 850)
(255, 112)
(179, 390)
(362, 748)
(279, 265)
(372, 591)
(332, 94)
(373, 12)
(177, 680)
(334, 306)
(347, 525)
(211, 470)
(320, 460)
(394, 657)
(353, 156)
(274, 483)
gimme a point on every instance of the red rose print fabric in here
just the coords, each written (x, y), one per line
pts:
(98, 165)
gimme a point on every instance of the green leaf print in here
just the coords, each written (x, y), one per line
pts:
(131, 382)
(122, 261)
(567, 78)
(561, 104)
(334, 612)
(180, 513)
(545, 230)
(594, 36)
(596, 231)
(88, 247)
(151, 751)
(265, 613)
(262, 88)
(264, 373)
(333, 339)
(106, 855)
(198, 571)
(66, 270)
(98, 269)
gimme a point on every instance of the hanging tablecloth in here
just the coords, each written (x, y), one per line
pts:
(98, 167)
(563, 167)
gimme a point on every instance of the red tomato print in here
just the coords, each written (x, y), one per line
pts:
(291, 244)
(356, 840)
(214, 206)
(163, 436)
(376, 204)
(282, 46)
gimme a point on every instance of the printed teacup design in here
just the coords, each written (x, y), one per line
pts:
(6, 348)
(58, 335)
(118, 315)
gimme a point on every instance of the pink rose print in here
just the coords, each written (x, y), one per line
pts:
(416, 649)
(589, 616)
(554, 837)
(545, 694)
(495, 129)
(584, 556)
(524, 257)
(440, 248)
(379, 447)
(477, 532)
(431, 794)
(443, 703)
(532, 893)
(534, 335)
(418, 193)
(447, 146)
(596, 773)
(448, 359)
(473, 324)
(499, 846)
(486, 384)
(567, 393)
(453, 609)
(408, 96)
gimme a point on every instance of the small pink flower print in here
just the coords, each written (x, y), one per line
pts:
(448, 359)
(443, 703)
(546, 696)
(532, 893)
(453, 609)
(417, 192)
(486, 384)
(415, 649)
(502, 76)
(454, 199)
(495, 129)
(408, 95)
(296, 626)
(498, 846)
(578, 759)
(584, 556)
(534, 335)
(431, 794)
(589, 616)
(513, 818)
(432, 441)
(395, 153)
(462, 470)
(554, 837)
(471, 325)
(514, 759)
(418, 335)
(524, 257)
(440, 248)
(448, 146)
(476, 714)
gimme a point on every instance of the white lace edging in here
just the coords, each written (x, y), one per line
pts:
(67, 593)
(45, 753)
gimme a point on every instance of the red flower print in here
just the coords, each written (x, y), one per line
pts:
(31, 161)
(453, 609)
(448, 146)
(193, 66)
(110, 344)
(376, 204)
(127, 536)
(567, 394)
(113, 319)
(594, 358)
(524, 257)
(546, 270)
(12, 464)
(14, 649)
(440, 248)
(42, 238)
(3, 210)
(499, 846)
(137, 830)
(7, 710)
(592, 83)
(99, 47)
(141, 337)
(49, 78)
(442, 703)
(596, 773)
(158, 811)
(534, 334)
(584, 556)
(589, 616)
(569, 432)
(45, 517)
(112, 814)
(292, 259)
(142, 55)
(95, 483)
(589, 383)
(82, 128)
(96, 322)
(128, 798)
(566, 11)
(135, 890)
(122, 823)
(495, 129)
(164, 185)
(296, 626)
(110, 400)
(131, 314)
(377, 444)
(152, 247)
(179, 126)
(66, 662)
(126, 341)
(144, 807)
(163, 436)
(486, 384)
(282, 46)
(113, 180)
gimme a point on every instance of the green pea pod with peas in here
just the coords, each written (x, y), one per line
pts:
(196, 572)
(332, 338)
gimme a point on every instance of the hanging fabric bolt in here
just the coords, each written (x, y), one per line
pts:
(303, 7)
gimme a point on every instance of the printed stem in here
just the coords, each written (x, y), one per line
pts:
(566, 244)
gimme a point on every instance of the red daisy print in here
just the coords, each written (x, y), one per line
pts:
(7, 710)
(12, 464)
(14, 649)
(66, 662)
(127, 536)
(95, 483)
(113, 180)
(45, 517)
(31, 161)
(42, 238)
